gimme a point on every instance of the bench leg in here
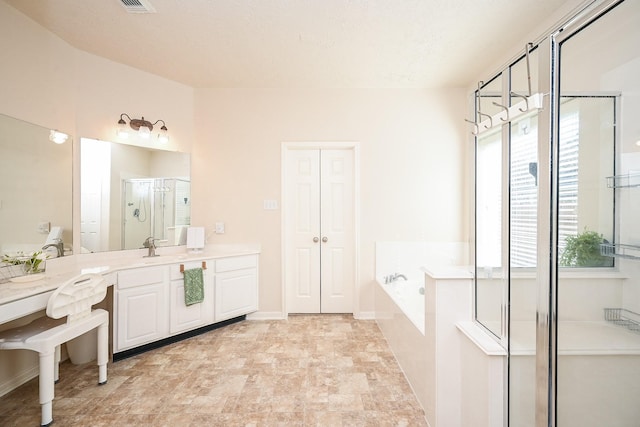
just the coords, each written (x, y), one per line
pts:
(46, 385)
(103, 352)
(56, 366)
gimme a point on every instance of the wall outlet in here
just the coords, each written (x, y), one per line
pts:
(219, 227)
(44, 227)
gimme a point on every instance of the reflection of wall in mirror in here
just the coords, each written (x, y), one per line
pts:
(35, 186)
(94, 208)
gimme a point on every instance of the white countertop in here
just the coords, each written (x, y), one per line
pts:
(59, 270)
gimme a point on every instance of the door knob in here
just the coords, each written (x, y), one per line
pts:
(324, 240)
(315, 240)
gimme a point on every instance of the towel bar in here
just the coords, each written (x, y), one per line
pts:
(204, 266)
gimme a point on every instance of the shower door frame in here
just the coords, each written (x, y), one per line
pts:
(548, 153)
(547, 225)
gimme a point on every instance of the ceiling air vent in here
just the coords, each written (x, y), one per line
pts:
(137, 6)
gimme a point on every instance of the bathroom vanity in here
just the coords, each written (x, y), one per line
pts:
(149, 305)
(146, 299)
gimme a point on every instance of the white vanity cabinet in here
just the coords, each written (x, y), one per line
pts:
(236, 286)
(183, 317)
(149, 307)
(141, 303)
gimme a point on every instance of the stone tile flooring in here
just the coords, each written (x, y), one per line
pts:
(309, 370)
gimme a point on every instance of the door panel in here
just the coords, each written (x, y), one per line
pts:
(337, 224)
(303, 213)
(320, 223)
(304, 265)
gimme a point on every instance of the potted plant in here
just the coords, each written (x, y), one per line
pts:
(31, 263)
(583, 250)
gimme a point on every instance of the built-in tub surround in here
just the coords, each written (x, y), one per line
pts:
(418, 316)
(408, 258)
(404, 261)
(408, 296)
(430, 358)
(22, 302)
(448, 300)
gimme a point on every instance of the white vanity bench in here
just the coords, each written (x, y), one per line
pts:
(146, 299)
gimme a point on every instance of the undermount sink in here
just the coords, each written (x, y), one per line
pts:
(162, 259)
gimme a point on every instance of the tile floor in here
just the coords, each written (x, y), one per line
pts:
(309, 370)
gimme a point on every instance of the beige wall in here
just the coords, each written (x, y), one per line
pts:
(36, 76)
(412, 146)
(412, 167)
(45, 81)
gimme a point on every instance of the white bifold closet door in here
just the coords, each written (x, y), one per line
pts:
(320, 231)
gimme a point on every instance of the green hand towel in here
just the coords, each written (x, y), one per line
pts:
(193, 286)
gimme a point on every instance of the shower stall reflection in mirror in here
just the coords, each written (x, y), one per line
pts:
(568, 365)
(158, 207)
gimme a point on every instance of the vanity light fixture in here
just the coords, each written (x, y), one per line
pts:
(58, 137)
(143, 127)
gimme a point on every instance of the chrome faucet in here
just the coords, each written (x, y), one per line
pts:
(393, 277)
(59, 245)
(150, 243)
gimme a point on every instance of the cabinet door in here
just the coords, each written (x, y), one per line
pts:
(183, 317)
(140, 315)
(236, 293)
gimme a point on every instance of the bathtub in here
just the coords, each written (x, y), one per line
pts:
(404, 334)
(408, 295)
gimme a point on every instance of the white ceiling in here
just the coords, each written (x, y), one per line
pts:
(299, 43)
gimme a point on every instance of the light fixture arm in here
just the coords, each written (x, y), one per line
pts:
(164, 125)
(136, 124)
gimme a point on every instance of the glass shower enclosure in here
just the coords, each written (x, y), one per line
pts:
(158, 207)
(557, 230)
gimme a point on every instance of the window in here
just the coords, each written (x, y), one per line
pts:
(574, 184)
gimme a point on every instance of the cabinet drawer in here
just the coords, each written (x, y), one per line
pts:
(175, 273)
(140, 276)
(236, 263)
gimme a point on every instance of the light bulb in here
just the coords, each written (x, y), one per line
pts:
(163, 136)
(122, 131)
(144, 132)
(58, 137)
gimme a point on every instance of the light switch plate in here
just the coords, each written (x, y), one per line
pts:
(270, 205)
(219, 227)
(44, 227)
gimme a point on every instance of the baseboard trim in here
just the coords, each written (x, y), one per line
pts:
(18, 380)
(173, 339)
(365, 315)
(267, 315)
(278, 315)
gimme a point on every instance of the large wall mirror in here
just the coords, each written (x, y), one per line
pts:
(130, 193)
(35, 187)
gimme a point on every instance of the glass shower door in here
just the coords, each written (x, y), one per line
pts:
(491, 271)
(523, 231)
(137, 215)
(598, 276)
